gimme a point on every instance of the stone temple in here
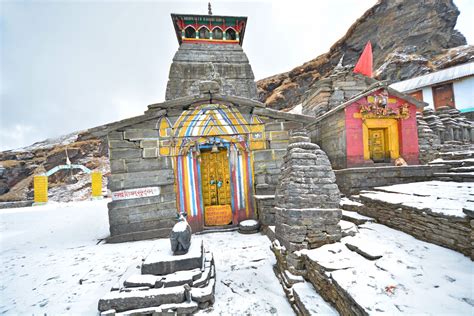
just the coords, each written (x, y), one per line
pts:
(209, 150)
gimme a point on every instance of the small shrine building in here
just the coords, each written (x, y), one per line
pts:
(361, 122)
(207, 150)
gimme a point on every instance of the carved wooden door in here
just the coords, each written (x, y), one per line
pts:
(377, 144)
(215, 178)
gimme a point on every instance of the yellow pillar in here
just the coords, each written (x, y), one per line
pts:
(41, 189)
(96, 184)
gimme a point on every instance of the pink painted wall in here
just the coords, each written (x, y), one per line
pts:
(354, 137)
(407, 129)
(408, 135)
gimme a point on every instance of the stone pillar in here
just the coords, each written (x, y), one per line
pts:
(307, 197)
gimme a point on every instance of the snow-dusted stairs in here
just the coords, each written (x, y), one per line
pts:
(177, 284)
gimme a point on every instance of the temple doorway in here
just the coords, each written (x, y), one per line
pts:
(378, 144)
(216, 187)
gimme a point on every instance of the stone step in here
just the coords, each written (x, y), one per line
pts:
(310, 302)
(180, 309)
(123, 301)
(356, 218)
(164, 262)
(455, 176)
(463, 169)
(143, 280)
(181, 277)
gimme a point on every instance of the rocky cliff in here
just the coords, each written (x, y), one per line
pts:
(409, 38)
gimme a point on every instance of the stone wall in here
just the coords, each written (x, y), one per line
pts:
(448, 231)
(267, 162)
(330, 135)
(307, 199)
(319, 277)
(266, 209)
(134, 164)
(353, 180)
(226, 63)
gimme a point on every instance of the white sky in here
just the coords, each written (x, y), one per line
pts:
(72, 65)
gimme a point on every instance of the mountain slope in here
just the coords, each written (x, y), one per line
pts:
(408, 37)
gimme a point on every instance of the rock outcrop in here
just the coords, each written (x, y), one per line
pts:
(17, 167)
(408, 39)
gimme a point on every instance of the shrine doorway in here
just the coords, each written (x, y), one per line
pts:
(381, 139)
(216, 187)
(378, 145)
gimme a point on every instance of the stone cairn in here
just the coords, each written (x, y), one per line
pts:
(307, 197)
(428, 141)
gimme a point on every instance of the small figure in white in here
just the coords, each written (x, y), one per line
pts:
(180, 236)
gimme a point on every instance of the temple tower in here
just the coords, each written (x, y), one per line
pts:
(210, 47)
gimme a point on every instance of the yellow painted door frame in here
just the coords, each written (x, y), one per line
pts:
(392, 135)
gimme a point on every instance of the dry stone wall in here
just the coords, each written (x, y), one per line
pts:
(353, 180)
(452, 232)
(307, 198)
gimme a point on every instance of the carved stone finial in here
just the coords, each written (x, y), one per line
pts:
(209, 9)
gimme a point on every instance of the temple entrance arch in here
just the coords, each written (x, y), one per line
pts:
(40, 182)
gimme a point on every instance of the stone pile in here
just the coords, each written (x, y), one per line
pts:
(307, 198)
(456, 133)
(167, 284)
(429, 142)
(433, 122)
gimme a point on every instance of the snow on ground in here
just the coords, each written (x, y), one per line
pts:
(246, 283)
(412, 277)
(51, 262)
(444, 197)
(346, 201)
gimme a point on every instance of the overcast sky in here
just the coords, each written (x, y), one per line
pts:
(71, 65)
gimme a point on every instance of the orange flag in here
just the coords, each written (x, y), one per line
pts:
(364, 64)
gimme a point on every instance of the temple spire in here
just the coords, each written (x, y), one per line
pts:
(209, 9)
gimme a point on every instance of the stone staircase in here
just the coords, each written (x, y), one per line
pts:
(167, 284)
(461, 166)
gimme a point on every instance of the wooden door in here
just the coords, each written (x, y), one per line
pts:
(377, 144)
(418, 94)
(443, 95)
(216, 193)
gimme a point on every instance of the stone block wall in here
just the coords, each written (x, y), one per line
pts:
(266, 209)
(448, 231)
(353, 180)
(267, 162)
(195, 62)
(330, 135)
(135, 164)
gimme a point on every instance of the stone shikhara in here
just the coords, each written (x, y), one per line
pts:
(307, 199)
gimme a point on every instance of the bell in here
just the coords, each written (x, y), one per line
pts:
(215, 149)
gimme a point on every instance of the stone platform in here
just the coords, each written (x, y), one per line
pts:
(167, 283)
